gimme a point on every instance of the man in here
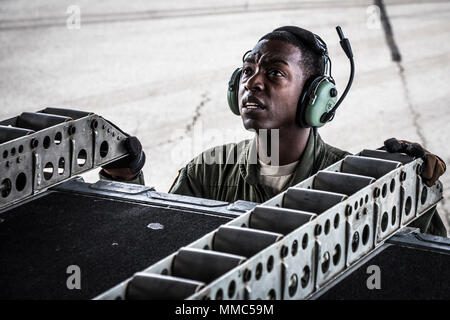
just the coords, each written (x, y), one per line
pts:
(274, 75)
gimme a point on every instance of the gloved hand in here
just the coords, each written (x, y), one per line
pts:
(128, 167)
(433, 166)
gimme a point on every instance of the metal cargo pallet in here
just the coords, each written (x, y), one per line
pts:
(298, 242)
(312, 241)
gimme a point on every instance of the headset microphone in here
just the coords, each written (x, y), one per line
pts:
(345, 44)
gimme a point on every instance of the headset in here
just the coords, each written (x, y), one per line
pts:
(318, 101)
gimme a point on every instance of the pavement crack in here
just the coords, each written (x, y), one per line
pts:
(414, 113)
(59, 20)
(197, 112)
(397, 58)
(171, 140)
(189, 127)
(388, 33)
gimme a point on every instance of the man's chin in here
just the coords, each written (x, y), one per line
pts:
(254, 124)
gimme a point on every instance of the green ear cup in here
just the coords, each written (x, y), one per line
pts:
(233, 90)
(319, 98)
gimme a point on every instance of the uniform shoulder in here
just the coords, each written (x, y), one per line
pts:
(331, 155)
(218, 156)
(336, 152)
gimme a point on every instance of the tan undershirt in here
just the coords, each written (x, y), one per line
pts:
(276, 176)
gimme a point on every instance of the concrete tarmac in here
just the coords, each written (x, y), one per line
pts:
(159, 70)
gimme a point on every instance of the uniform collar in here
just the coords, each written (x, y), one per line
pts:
(248, 162)
(305, 165)
(249, 168)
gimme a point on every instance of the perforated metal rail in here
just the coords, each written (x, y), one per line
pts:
(297, 242)
(41, 149)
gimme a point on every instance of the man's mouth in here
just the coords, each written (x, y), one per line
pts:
(253, 105)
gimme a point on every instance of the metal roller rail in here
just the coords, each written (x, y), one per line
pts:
(297, 242)
(41, 149)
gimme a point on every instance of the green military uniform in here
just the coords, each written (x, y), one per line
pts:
(234, 176)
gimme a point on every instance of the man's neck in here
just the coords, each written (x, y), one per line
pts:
(288, 143)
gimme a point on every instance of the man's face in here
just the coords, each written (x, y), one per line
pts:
(270, 85)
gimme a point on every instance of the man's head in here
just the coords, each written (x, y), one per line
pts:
(273, 77)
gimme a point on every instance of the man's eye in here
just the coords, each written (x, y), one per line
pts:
(275, 73)
(246, 71)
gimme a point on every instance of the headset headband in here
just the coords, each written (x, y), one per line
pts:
(309, 39)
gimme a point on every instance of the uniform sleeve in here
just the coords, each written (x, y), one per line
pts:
(186, 184)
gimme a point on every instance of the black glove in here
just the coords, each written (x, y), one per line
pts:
(135, 159)
(433, 167)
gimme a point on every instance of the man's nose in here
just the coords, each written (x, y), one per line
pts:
(255, 82)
